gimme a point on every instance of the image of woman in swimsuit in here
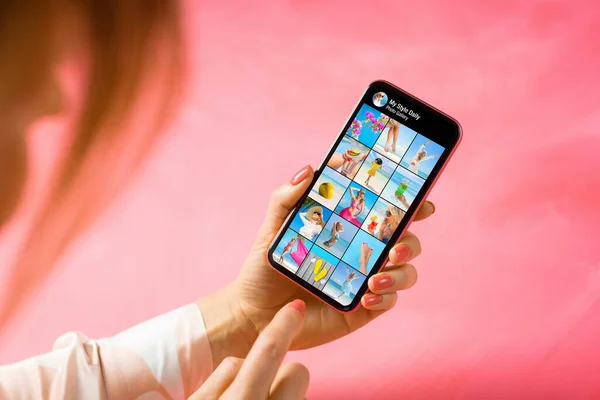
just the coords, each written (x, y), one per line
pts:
(288, 247)
(335, 234)
(347, 285)
(419, 157)
(356, 208)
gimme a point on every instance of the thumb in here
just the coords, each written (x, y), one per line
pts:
(283, 201)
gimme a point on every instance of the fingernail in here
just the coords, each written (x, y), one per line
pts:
(299, 306)
(402, 252)
(372, 299)
(300, 176)
(381, 281)
(432, 207)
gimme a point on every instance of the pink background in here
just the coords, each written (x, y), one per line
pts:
(508, 302)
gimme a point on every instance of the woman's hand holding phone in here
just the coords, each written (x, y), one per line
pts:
(235, 316)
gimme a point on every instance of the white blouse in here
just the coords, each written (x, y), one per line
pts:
(167, 357)
(310, 229)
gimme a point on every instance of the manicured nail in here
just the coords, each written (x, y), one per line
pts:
(300, 176)
(299, 306)
(402, 252)
(381, 281)
(432, 207)
(372, 299)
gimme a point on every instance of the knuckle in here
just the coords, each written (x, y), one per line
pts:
(232, 362)
(275, 195)
(408, 277)
(272, 347)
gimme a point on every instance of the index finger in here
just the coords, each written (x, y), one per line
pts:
(268, 351)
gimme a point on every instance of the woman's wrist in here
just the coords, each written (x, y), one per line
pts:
(229, 331)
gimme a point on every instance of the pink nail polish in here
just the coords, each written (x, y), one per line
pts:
(402, 252)
(381, 281)
(300, 176)
(299, 306)
(372, 299)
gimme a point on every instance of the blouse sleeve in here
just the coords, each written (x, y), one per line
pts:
(303, 217)
(167, 357)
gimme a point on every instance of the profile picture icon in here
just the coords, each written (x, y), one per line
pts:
(380, 99)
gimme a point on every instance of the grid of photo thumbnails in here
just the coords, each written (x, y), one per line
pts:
(356, 204)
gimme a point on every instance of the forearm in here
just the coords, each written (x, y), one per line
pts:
(229, 332)
(169, 354)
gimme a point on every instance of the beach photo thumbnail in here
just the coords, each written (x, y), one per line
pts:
(402, 188)
(422, 156)
(337, 235)
(394, 141)
(383, 220)
(310, 219)
(291, 250)
(329, 188)
(375, 172)
(363, 252)
(317, 267)
(367, 125)
(348, 157)
(344, 284)
(356, 204)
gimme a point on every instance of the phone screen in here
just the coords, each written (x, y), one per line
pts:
(359, 200)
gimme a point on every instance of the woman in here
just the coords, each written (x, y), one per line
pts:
(392, 135)
(173, 355)
(313, 222)
(379, 99)
(389, 224)
(420, 156)
(357, 206)
(375, 166)
(336, 229)
(399, 193)
(347, 285)
(288, 247)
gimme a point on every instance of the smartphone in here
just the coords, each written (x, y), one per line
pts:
(364, 194)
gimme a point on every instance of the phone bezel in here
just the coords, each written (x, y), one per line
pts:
(433, 124)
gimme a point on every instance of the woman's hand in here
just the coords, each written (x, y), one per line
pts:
(236, 315)
(259, 376)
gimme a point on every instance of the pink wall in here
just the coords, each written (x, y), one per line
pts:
(508, 301)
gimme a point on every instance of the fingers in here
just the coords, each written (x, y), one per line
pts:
(256, 375)
(291, 382)
(379, 302)
(391, 280)
(283, 201)
(407, 248)
(425, 211)
(219, 380)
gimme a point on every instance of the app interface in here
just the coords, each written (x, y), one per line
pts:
(359, 200)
